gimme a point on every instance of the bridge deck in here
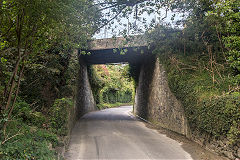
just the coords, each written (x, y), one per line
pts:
(116, 50)
(119, 42)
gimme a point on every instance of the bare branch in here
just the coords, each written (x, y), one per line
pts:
(106, 23)
(103, 3)
(10, 138)
(101, 9)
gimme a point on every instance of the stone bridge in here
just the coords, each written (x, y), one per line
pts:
(153, 101)
(116, 50)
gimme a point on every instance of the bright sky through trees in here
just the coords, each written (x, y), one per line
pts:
(131, 26)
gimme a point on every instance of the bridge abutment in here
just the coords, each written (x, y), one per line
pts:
(155, 102)
(84, 101)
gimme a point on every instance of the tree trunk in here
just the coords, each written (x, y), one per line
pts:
(14, 100)
(11, 84)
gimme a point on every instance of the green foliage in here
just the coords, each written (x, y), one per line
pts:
(227, 15)
(97, 83)
(125, 97)
(110, 96)
(37, 40)
(30, 143)
(166, 39)
(225, 111)
(50, 76)
(59, 116)
(208, 105)
(24, 138)
(24, 113)
(234, 133)
(111, 84)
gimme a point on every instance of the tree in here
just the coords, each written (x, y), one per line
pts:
(227, 16)
(31, 27)
(117, 9)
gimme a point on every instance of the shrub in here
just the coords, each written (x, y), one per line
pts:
(209, 106)
(23, 112)
(220, 116)
(27, 143)
(124, 97)
(59, 115)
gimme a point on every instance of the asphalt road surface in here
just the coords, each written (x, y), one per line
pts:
(115, 134)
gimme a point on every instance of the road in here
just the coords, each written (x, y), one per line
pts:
(115, 134)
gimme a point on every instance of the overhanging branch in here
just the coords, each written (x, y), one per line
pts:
(106, 23)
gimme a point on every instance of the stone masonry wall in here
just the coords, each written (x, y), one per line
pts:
(154, 100)
(84, 100)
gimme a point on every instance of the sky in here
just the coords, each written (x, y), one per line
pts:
(116, 28)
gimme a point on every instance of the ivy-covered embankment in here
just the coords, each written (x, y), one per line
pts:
(211, 106)
(202, 65)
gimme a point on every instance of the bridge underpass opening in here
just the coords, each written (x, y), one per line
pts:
(102, 56)
(153, 98)
(115, 124)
